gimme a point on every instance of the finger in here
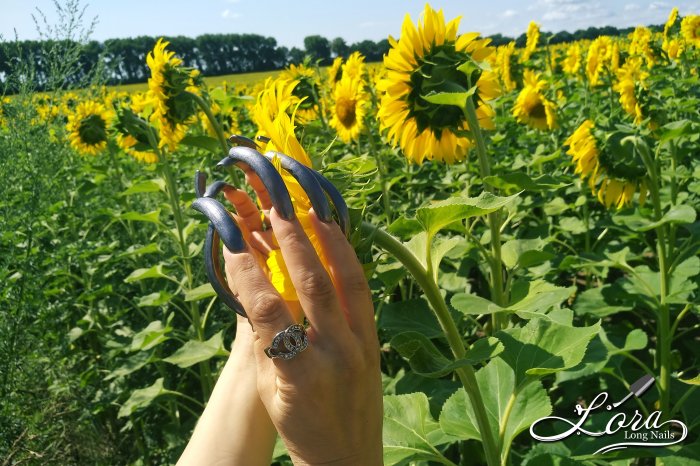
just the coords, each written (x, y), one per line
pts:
(348, 276)
(263, 196)
(314, 287)
(245, 207)
(265, 307)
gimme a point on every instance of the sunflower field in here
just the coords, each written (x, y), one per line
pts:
(526, 217)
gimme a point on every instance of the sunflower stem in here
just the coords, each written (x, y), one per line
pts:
(432, 293)
(663, 324)
(494, 218)
(205, 377)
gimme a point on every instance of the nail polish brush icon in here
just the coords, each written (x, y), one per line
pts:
(637, 389)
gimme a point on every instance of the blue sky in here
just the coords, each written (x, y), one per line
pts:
(290, 21)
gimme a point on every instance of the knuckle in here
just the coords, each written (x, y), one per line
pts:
(317, 285)
(266, 307)
(357, 285)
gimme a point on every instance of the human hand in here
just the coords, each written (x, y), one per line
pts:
(326, 402)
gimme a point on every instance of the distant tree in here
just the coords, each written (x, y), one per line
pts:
(318, 48)
(295, 55)
(339, 48)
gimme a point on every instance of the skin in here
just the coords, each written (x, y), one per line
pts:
(326, 402)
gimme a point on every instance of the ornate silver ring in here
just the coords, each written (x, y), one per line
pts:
(288, 343)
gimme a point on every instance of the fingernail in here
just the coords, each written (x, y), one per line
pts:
(324, 218)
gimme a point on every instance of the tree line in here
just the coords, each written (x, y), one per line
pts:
(123, 61)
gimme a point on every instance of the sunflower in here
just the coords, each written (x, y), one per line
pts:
(672, 17)
(532, 107)
(128, 142)
(572, 62)
(600, 56)
(349, 108)
(280, 129)
(87, 127)
(335, 72)
(673, 48)
(170, 87)
(631, 80)
(533, 37)
(690, 28)
(276, 97)
(503, 62)
(306, 90)
(640, 44)
(425, 60)
(613, 182)
(355, 66)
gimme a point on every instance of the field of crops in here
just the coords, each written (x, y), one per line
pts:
(527, 219)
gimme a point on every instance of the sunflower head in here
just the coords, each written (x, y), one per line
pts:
(690, 29)
(532, 107)
(306, 91)
(572, 62)
(631, 82)
(429, 58)
(132, 135)
(88, 126)
(335, 71)
(614, 171)
(671, 21)
(533, 38)
(503, 62)
(355, 66)
(170, 88)
(349, 108)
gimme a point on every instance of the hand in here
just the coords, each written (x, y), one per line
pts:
(234, 428)
(326, 402)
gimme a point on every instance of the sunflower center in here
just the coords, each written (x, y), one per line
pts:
(345, 109)
(92, 130)
(437, 72)
(538, 111)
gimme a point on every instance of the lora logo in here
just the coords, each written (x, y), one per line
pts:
(636, 430)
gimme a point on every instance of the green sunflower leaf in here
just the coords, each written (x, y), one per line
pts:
(142, 398)
(438, 215)
(195, 351)
(410, 432)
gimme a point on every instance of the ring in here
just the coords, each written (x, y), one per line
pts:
(288, 343)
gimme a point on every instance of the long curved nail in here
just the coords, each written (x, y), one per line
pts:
(220, 219)
(212, 265)
(242, 141)
(341, 207)
(200, 183)
(274, 184)
(305, 176)
(215, 188)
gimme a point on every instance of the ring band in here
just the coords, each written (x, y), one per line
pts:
(288, 343)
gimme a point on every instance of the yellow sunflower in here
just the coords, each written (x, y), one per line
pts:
(277, 96)
(672, 17)
(640, 44)
(631, 80)
(533, 37)
(532, 107)
(307, 90)
(425, 60)
(128, 143)
(690, 29)
(280, 129)
(572, 62)
(349, 108)
(335, 72)
(614, 185)
(168, 88)
(87, 127)
(600, 56)
(354, 66)
(503, 65)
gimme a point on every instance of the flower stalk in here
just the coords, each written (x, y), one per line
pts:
(429, 286)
